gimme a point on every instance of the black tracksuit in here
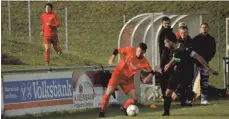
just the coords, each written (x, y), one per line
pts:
(165, 32)
(167, 55)
(186, 72)
(205, 46)
(185, 68)
(181, 79)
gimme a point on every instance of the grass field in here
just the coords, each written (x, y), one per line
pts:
(217, 110)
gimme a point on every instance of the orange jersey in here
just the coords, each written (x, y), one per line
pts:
(130, 64)
(49, 18)
(177, 35)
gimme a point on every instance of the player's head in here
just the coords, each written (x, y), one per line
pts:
(204, 28)
(48, 7)
(168, 43)
(165, 22)
(183, 32)
(182, 24)
(140, 50)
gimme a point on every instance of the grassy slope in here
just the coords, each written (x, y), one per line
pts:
(89, 43)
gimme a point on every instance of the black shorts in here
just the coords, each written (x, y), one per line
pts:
(179, 78)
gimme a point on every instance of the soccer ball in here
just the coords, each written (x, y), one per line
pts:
(132, 110)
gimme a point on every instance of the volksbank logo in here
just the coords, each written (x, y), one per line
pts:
(26, 90)
(46, 89)
(53, 90)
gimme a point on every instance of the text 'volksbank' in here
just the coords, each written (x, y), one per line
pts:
(46, 90)
(36, 90)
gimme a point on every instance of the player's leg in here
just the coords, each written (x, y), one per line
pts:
(189, 93)
(112, 85)
(163, 83)
(132, 99)
(204, 75)
(186, 92)
(106, 96)
(129, 89)
(167, 102)
(172, 85)
(182, 90)
(105, 100)
(56, 44)
(47, 50)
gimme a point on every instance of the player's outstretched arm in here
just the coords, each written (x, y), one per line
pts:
(110, 62)
(115, 52)
(168, 65)
(203, 62)
(150, 71)
(150, 75)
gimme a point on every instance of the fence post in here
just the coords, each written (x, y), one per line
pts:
(201, 19)
(29, 21)
(219, 44)
(9, 18)
(66, 28)
(226, 78)
(124, 19)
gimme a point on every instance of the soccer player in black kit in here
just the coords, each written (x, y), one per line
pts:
(183, 74)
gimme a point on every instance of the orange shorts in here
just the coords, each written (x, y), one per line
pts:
(117, 78)
(51, 39)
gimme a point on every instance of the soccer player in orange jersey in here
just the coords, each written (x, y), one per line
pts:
(123, 75)
(50, 23)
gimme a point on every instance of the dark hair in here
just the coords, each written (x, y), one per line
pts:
(143, 46)
(204, 24)
(165, 19)
(50, 5)
(171, 37)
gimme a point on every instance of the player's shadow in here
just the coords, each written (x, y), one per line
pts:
(10, 60)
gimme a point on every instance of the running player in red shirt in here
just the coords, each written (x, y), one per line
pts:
(123, 75)
(50, 23)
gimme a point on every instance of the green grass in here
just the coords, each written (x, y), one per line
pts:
(93, 28)
(217, 110)
(31, 55)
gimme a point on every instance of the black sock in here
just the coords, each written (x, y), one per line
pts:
(182, 98)
(167, 104)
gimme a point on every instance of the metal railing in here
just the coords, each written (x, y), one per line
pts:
(50, 69)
